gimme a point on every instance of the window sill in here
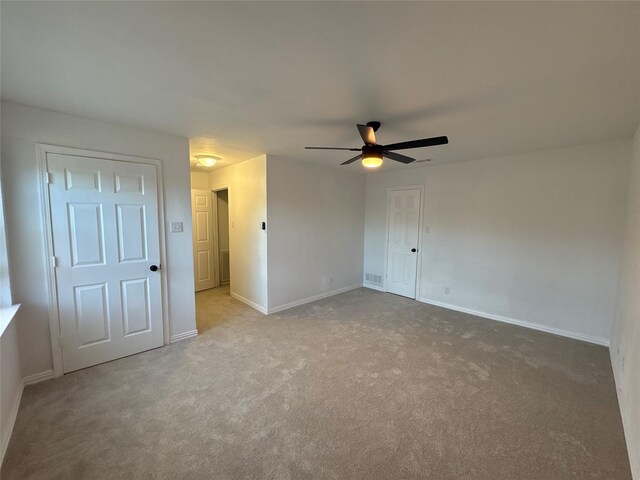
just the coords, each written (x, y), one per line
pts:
(6, 315)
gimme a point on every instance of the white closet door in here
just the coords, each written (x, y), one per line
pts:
(402, 250)
(104, 217)
(203, 261)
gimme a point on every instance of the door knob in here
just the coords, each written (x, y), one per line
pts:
(153, 268)
(414, 250)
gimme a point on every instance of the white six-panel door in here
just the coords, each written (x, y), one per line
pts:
(104, 217)
(203, 251)
(402, 246)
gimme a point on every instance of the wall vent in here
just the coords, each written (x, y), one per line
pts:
(373, 279)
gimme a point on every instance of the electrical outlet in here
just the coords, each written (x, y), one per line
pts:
(447, 290)
(330, 280)
(176, 227)
(427, 229)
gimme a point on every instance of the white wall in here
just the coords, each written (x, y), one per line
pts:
(533, 237)
(316, 222)
(247, 242)
(200, 180)
(10, 382)
(625, 338)
(22, 128)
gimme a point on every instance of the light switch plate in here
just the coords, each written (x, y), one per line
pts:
(176, 227)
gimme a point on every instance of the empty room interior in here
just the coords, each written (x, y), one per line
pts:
(332, 240)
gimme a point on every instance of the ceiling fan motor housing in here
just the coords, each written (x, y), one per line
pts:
(372, 151)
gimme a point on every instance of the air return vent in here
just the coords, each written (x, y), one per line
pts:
(373, 279)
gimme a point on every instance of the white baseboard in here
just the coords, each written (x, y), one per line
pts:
(535, 326)
(183, 336)
(7, 428)
(373, 287)
(313, 298)
(38, 377)
(260, 308)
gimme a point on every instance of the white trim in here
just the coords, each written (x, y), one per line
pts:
(42, 149)
(373, 287)
(313, 298)
(7, 427)
(38, 377)
(260, 308)
(522, 323)
(183, 336)
(216, 238)
(419, 246)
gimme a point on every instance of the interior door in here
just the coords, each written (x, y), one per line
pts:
(203, 251)
(402, 246)
(104, 217)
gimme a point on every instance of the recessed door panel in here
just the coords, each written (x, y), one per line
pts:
(86, 234)
(132, 233)
(202, 226)
(129, 183)
(135, 305)
(204, 273)
(77, 179)
(92, 314)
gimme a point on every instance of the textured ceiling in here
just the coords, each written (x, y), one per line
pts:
(241, 79)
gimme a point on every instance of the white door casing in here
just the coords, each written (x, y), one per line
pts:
(105, 236)
(404, 210)
(203, 241)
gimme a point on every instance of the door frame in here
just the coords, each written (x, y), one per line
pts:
(386, 234)
(215, 234)
(216, 229)
(42, 149)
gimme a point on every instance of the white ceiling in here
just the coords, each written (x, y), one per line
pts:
(241, 79)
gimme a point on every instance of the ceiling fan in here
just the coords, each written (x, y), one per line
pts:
(372, 152)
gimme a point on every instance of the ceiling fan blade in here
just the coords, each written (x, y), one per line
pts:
(333, 148)
(351, 160)
(367, 133)
(398, 158)
(425, 142)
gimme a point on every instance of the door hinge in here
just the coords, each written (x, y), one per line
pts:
(60, 341)
(49, 178)
(54, 261)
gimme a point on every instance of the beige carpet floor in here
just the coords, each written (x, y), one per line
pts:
(363, 385)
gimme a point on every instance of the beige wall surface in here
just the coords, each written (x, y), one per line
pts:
(247, 186)
(315, 228)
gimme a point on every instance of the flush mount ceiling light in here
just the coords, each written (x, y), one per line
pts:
(207, 160)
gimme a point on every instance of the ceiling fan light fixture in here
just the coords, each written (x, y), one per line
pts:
(372, 159)
(207, 160)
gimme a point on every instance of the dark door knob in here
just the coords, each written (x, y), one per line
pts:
(153, 268)
(414, 250)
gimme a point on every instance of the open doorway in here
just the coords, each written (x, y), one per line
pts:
(212, 273)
